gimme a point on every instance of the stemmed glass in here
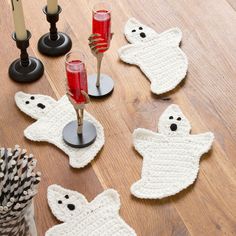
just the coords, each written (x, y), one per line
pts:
(78, 133)
(100, 85)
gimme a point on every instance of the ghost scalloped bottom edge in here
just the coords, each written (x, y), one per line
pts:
(157, 55)
(171, 156)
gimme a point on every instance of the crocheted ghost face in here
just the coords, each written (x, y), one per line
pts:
(135, 32)
(173, 122)
(65, 204)
(34, 105)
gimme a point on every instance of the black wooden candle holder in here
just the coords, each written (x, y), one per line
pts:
(25, 69)
(54, 43)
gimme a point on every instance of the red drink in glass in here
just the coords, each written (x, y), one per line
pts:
(102, 26)
(77, 79)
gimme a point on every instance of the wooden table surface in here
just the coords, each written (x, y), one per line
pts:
(207, 97)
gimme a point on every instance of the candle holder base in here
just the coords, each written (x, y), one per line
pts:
(73, 139)
(26, 74)
(54, 48)
(106, 86)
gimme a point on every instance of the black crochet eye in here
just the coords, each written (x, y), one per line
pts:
(27, 102)
(59, 202)
(67, 197)
(32, 97)
(171, 117)
(179, 118)
(141, 28)
(133, 31)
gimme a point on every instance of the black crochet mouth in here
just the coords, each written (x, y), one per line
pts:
(71, 207)
(173, 127)
(142, 35)
(40, 105)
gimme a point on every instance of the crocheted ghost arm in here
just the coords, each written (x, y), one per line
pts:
(171, 37)
(108, 199)
(61, 229)
(36, 132)
(202, 142)
(143, 139)
(129, 53)
(65, 204)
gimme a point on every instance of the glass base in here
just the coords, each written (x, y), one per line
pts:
(106, 86)
(73, 139)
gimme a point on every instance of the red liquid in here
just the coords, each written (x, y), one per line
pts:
(102, 26)
(77, 80)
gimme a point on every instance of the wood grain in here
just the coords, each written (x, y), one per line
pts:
(207, 97)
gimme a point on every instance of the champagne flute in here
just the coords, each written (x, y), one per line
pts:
(78, 133)
(100, 85)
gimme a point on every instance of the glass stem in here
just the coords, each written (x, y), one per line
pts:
(99, 63)
(80, 118)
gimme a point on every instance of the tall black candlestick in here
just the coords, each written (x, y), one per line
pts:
(25, 69)
(54, 43)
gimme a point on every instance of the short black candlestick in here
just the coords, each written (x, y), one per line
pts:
(54, 43)
(25, 69)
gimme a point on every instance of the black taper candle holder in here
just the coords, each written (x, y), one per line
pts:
(25, 69)
(54, 43)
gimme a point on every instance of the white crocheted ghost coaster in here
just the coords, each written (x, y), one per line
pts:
(81, 218)
(52, 116)
(170, 157)
(158, 55)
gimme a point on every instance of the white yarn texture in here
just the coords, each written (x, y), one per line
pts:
(50, 122)
(83, 218)
(158, 55)
(170, 157)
